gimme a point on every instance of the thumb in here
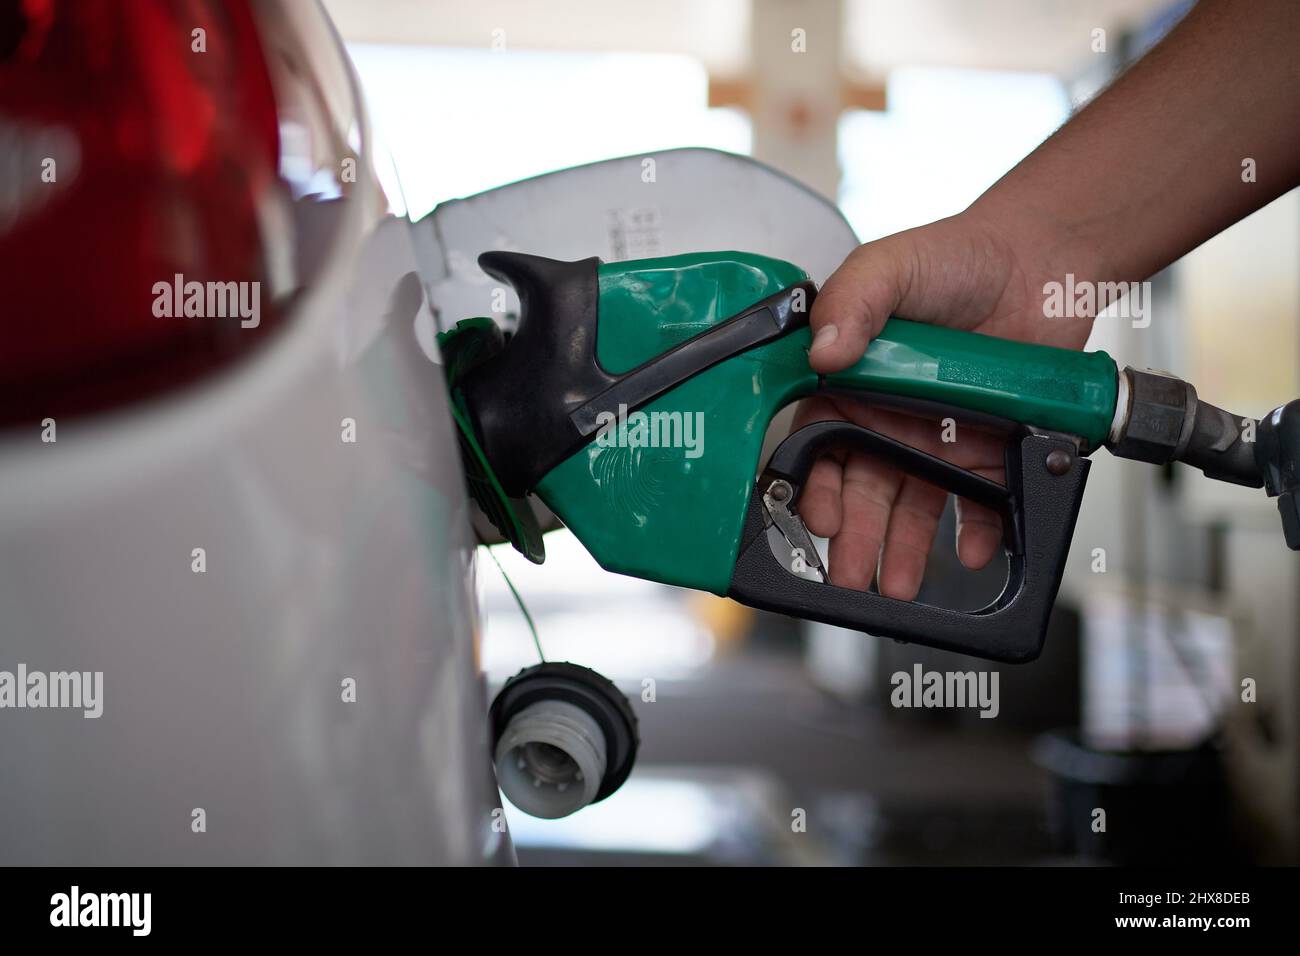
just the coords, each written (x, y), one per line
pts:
(851, 308)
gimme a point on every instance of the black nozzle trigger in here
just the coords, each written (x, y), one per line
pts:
(1038, 506)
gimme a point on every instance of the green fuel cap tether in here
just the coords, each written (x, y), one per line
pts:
(464, 347)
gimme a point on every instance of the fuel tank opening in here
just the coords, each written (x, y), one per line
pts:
(563, 737)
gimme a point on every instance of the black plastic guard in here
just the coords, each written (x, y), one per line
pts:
(541, 398)
(1042, 508)
(519, 400)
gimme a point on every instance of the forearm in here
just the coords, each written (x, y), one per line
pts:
(1153, 166)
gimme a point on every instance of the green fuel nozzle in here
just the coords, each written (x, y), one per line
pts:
(633, 398)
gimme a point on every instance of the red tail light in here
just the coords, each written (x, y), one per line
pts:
(138, 143)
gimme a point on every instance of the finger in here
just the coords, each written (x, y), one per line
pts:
(973, 449)
(979, 534)
(851, 308)
(819, 503)
(869, 488)
(979, 530)
(913, 522)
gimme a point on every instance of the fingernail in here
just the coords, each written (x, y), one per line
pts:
(825, 336)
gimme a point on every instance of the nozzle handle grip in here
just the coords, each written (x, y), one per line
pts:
(1055, 389)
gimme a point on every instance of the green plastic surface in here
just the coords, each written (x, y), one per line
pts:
(674, 514)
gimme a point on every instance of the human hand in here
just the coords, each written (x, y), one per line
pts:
(962, 272)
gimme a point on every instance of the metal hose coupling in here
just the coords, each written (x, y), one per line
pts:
(1159, 419)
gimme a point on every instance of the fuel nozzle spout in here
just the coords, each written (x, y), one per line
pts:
(1159, 419)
